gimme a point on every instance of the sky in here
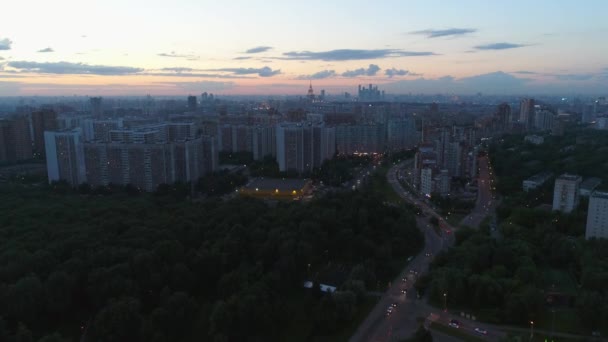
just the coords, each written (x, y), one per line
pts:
(274, 47)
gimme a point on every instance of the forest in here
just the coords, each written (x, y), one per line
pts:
(534, 264)
(127, 266)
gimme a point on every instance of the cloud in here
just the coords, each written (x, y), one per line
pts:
(72, 68)
(177, 69)
(188, 74)
(1, 58)
(262, 72)
(493, 83)
(242, 58)
(395, 72)
(175, 55)
(452, 32)
(350, 54)
(5, 44)
(499, 46)
(370, 71)
(318, 75)
(259, 49)
(48, 49)
(574, 77)
(525, 72)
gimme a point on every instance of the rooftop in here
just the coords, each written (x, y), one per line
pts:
(540, 177)
(282, 184)
(591, 183)
(600, 194)
(568, 177)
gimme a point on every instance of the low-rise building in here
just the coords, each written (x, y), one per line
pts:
(589, 185)
(277, 188)
(536, 181)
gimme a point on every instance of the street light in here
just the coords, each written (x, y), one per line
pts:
(445, 302)
(531, 329)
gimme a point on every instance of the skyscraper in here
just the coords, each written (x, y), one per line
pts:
(65, 156)
(192, 103)
(526, 113)
(43, 120)
(504, 117)
(15, 141)
(96, 109)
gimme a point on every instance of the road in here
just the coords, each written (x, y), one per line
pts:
(402, 322)
(486, 203)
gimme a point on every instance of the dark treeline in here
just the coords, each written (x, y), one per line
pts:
(119, 267)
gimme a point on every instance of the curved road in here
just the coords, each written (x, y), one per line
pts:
(402, 322)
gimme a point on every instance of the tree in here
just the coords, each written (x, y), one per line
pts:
(118, 321)
(55, 337)
(23, 334)
(58, 289)
(422, 334)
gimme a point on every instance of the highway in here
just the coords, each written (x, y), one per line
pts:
(486, 203)
(402, 322)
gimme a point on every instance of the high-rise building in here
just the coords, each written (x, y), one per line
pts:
(192, 103)
(302, 147)
(65, 156)
(370, 94)
(526, 113)
(15, 141)
(146, 166)
(443, 183)
(43, 120)
(96, 109)
(426, 181)
(360, 138)
(597, 216)
(264, 142)
(453, 159)
(504, 117)
(543, 120)
(401, 133)
(290, 147)
(566, 192)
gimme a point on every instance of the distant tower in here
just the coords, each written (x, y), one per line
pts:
(96, 107)
(192, 103)
(311, 93)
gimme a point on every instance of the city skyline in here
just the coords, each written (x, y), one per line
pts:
(241, 48)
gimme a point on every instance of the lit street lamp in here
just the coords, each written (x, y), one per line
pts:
(445, 302)
(531, 329)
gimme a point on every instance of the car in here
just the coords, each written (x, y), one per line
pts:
(454, 325)
(481, 331)
(403, 291)
(404, 280)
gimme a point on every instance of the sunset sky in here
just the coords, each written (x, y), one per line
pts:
(126, 47)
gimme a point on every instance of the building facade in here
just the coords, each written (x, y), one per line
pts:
(65, 156)
(597, 216)
(566, 193)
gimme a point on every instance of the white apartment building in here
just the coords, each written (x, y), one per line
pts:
(566, 192)
(597, 216)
